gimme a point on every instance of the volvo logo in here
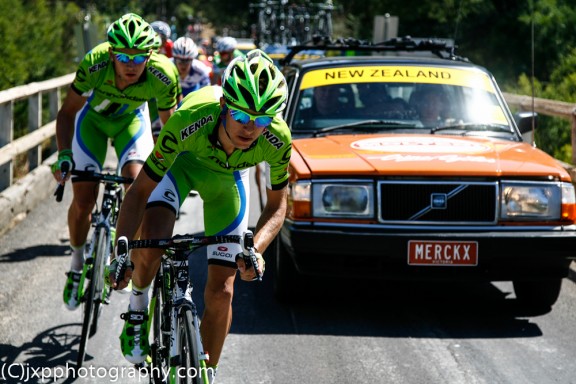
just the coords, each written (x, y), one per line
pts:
(438, 201)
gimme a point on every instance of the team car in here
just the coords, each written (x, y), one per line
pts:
(407, 164)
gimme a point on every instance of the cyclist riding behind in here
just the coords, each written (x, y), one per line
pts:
(163, 29)
(208, 145)
(155, 119)
(226, 51)
(107, 100)
(193, 73)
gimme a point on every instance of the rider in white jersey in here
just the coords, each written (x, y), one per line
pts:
(193, 73)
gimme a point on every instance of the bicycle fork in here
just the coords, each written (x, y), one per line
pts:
(182, 294)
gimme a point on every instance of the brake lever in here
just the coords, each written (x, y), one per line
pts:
(59, 192)
(250, 259)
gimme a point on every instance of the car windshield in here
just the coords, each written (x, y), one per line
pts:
(408, 106)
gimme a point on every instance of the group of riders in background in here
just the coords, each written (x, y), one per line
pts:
(201, 59)
(275, 26)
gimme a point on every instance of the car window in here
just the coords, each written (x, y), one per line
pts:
(458, 98)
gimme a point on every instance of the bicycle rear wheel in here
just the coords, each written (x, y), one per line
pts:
(189, 350)
(92, 296)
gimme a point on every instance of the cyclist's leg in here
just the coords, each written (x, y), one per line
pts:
(89, 149)
(225, 198)
(158, 222)
(225, 212)
(134, 143)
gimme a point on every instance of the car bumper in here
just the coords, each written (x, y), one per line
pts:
(377, 252)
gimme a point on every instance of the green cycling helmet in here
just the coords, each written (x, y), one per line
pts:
(131, 31)
(253, 82)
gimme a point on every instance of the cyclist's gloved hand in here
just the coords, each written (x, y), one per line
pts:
(247, 271)
(120, 269)
(65, 163)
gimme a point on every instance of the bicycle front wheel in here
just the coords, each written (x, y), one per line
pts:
(92, 295)
(160, 322)
(190, 371)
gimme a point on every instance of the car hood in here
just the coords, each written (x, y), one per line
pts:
(423, 155)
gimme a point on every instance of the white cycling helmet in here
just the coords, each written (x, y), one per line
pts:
(226, 44)
(161, 28)
(184, 48)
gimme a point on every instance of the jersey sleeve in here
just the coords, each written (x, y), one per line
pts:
(280, 142)
(167, 84)
(166, 149)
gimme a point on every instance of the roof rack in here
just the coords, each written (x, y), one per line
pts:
(443, 48)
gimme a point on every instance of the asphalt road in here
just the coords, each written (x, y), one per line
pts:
(341, 332)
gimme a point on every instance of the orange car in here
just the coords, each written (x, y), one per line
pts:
(408, 164)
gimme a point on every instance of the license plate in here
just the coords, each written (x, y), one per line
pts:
(448, 253)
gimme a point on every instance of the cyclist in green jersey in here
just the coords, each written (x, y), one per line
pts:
(226, 51)
(208, 145)
(108, 100)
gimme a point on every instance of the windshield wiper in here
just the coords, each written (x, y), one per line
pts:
(468, 127)
(359, 124)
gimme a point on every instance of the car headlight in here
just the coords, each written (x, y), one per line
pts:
(353, 200)
(535, 201)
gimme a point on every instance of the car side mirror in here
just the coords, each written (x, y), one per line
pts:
(524, 121)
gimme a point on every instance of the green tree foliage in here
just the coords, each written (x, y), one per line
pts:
(35, 47)
(494, 33)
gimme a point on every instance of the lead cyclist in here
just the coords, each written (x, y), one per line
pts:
(208, 145)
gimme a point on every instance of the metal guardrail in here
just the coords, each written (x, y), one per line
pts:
(38, 134)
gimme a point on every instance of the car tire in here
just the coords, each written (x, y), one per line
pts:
(537, 295)
(286, 277)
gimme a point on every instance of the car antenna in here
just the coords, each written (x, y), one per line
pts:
(458, 18)
(532, 64)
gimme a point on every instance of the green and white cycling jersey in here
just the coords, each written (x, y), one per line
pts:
(191, 133)
(187, 156)
(95, 79)
(121, 115)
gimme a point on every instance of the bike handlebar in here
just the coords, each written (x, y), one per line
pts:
(189, 243)
(91, 176)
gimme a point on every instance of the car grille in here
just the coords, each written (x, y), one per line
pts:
(425, 202)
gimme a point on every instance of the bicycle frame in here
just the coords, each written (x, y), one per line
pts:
(172, 302)
(94, 291)
(105, 219)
